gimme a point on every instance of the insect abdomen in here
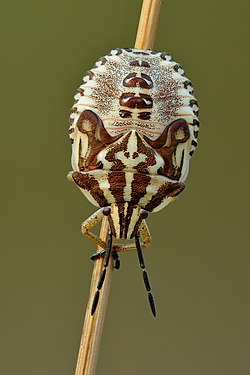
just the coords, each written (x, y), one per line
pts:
(142, 90)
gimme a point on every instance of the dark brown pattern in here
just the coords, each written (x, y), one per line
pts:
(80, 91)
(144, 64)
(117, 183)
(118, 165)
(139, 186)
(128, 219)
(142, 167)
(166, 145)
(169, 189)
(130, 100)
(87, 182)
(131, 80)
(144, 115)
(125, 114)
(98, 138)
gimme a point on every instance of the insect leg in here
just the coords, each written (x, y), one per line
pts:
(98, 255)
(91, 222)
(114, 254)
(103, 274)
(145, 274)
(145, 237)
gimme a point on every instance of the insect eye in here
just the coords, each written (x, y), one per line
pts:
(143, 214)
(106, 211)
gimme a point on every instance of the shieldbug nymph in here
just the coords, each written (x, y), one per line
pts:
(134, 127)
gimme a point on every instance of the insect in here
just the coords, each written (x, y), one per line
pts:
(134, 127)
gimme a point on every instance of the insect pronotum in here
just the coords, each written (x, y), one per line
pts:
(134, 127)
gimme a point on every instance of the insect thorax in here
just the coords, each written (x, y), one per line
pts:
(133, 129)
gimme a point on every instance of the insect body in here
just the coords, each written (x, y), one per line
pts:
(134, 126)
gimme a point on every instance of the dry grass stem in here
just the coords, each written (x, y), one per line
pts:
(93, 325)
(148, 24)
(92, 329)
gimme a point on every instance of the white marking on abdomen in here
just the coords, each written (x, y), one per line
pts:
(132, 223)
(128, 187)
(116, 220)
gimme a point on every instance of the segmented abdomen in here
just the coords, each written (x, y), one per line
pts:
(137, 90)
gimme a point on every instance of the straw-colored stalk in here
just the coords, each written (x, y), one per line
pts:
(93, 325)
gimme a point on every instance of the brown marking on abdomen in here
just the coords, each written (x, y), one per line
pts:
(169, 189)
(118, 165)
(117, 182)
(166, 145)
(98, 138)
(139, 186)
(132, 80)
(144, 64)
(89, 183)
(144, 115)
(125, 114)
(130, 100)
(142, 167)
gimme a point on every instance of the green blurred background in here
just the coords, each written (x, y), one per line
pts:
(199, 259)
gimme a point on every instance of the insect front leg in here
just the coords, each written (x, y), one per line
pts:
(91, 222)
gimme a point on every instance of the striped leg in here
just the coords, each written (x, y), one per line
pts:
(91, 222)
(145, 274)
